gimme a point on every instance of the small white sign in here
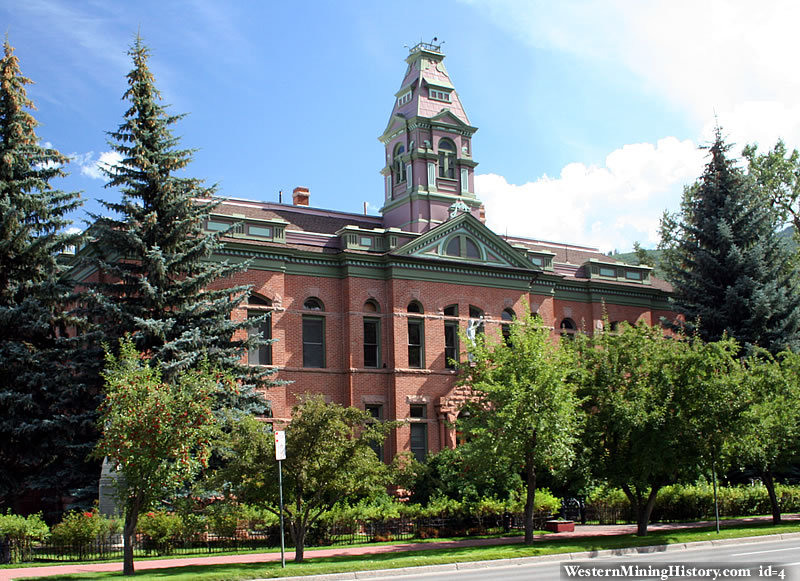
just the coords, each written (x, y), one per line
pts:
(280, 445)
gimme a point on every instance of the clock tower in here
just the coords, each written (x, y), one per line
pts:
(428, 148)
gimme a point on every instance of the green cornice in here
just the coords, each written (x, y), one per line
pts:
(293, 261)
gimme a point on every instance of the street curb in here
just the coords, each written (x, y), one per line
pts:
(582, 555)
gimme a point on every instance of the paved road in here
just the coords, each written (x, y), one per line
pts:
(772, 560)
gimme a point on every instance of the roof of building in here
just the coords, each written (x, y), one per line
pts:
(426, 70)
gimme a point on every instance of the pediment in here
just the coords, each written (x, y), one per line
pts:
(465, 239)
(396, 123)
(449, 118)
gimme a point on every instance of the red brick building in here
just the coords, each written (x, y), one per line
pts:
(367, 309)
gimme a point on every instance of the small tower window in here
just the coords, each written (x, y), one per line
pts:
(398, 166)
(447, 159)
(404, 98)
(438, 95)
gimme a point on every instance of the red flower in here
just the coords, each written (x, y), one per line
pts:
(88, 514)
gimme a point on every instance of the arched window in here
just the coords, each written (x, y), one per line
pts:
(447, 159)
(475, 326)
(507, 316)
(313, 304)
(451, 337)
(259, 314)
(464, 247)
(313, 334)
(398, 165)
(416, 337)
(568, 328)
(372, 335)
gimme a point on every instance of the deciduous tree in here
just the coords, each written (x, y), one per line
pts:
(526, 412)
(658, 409)
(777, 176)
(770, 427)
(156, 433)
(329, 458)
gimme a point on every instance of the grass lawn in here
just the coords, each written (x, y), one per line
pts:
(319, 565)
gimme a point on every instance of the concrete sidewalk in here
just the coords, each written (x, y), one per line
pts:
(581, 531)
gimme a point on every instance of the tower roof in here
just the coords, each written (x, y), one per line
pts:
(426, 89)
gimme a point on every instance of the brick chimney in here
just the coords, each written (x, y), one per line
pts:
(482, 213)
(300, 196)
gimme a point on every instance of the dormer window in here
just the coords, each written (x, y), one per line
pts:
(438, 95)
(398, 165)
(447, 159)
(404, 98)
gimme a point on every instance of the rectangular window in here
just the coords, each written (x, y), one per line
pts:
(215, 226)
(607, 272)
(365, 241)
(418, 410)
(404, 98)
(372, 333)
(313, 341)
(633, 275)
(419, 441)
(431, 174)
(409, 177)
(376, 411)
(262, 231)
(260, 355)
(450, 344)
(416, 335)
(439, 95)
(464, 179)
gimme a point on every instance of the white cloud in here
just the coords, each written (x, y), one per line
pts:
(608, 207)
(93, 168)
(727, 58)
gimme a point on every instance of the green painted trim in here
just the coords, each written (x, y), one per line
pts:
(388, 266)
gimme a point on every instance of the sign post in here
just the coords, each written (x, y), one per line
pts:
(280, 454)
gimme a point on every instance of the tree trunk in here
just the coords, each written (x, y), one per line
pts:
(299, 527)
(643, 509)
(530, 498)
(769, 482)
(129, 534)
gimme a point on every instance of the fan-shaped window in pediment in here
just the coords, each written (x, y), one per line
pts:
(463, 247)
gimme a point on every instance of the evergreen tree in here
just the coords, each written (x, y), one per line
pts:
(729, 269)
(157, 282)
(46, 411)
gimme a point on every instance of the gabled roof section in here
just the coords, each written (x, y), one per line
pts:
(426, 71)
(464, 239)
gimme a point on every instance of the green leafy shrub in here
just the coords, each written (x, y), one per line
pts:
(682, 502)
(163, 529)
(20, 532)
(223, 519)
(81, 528)
(256, 518)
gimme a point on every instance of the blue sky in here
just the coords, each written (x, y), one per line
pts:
(589, 113)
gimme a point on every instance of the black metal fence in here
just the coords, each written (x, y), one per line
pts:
(321, 534)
